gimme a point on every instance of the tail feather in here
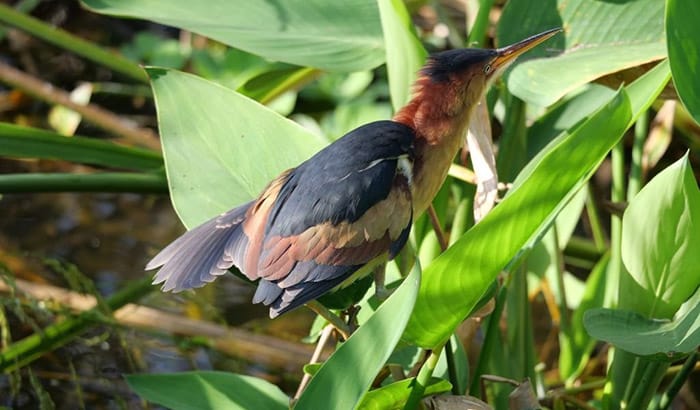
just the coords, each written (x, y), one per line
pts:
(199, 256)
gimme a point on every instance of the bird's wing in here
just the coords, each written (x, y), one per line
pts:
(317, 224)
(312, 227)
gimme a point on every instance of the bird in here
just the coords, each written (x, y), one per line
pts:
(349, 208)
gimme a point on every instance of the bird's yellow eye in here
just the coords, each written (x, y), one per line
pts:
(487, 69)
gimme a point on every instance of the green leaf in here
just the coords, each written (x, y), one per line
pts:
(661, 240)
(208, 390)
(600, 38)
(26, 142)
(144, 182)
(405, 54)
(220, 148)
(455, 281)
(394, 395)
(642, 336)
(345, 377)
(331, 35)
(683, 43)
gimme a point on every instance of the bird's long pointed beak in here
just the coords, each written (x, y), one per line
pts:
(506, 55)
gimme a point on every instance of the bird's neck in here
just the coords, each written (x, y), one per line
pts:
(440, 120)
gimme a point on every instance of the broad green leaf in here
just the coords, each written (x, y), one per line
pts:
(683, 42)
(561, 117)
(330, 35)
(394, 395)
(661, 240)
(455, 281)
(404, 53)
(26, 142)
(345, 377)
(642, 336)
(220, 148)
(208, 390)
(600, 38)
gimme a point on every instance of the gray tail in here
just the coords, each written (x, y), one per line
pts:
(202, 254)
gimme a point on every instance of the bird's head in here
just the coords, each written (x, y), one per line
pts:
(476, 68)
(452, 82)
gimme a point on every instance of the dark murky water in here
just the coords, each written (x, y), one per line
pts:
(109, 238)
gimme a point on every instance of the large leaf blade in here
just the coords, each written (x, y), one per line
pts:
(208, 390)
(637, 334)
(661, 240)
(455, 281)
(220, 148)
(314, 33)
(600, 38)
(684, 51)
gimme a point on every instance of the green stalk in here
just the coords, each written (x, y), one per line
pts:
(564, 319)
(67, 41)
(148, 183)
(640, 134)
(594, 219)
(452, 367)
(644, 391)
(678, 382)
(27, 142)
(623, 362)
(489, 344)
(423, 379)
(477, 35)
(25, 351)
(582, 248)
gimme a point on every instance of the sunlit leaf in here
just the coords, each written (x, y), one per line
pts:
(220, 148)
(339, 36)
(600, 37)
(682, 18)
(455, 281)
(394, 395)
(345, 377)
(208, 390)
(661, 240)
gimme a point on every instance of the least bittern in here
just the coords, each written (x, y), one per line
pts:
(348, 208)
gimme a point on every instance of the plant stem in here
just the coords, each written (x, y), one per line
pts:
(151, 183)
(678, 382)
(54, 336)
(423, 379)
(648, 383)
(25, 142)
(98, 116)
(315, 358)
(67, 41)
(489, 344)
(481, 23)
(594, 219)
(640, 134)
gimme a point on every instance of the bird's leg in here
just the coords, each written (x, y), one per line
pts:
(380, 290)
(332, 318)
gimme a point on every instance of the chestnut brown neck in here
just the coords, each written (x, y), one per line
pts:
(439, 117)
